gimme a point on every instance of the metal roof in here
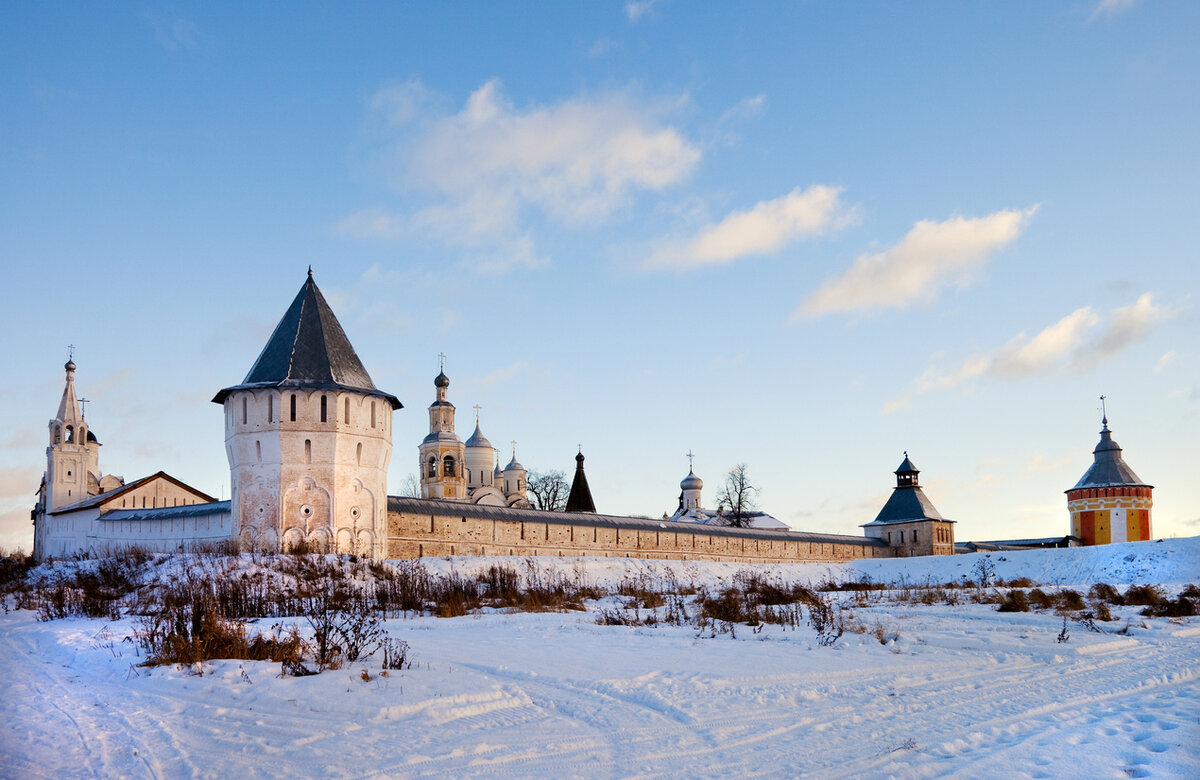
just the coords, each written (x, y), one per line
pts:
(907, 467)
(478, 439)
(309, 350)
(96, 500)
(906, 504)
(428, 506)
(1108, 468)
(169, 512)
(580, 497)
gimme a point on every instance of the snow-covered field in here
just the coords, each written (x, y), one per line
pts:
(956, 690)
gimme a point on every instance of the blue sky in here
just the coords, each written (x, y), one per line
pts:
(802, 236)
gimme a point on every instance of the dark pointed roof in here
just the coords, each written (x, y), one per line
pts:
(1108, 468)
(907, 503)
(580, 499)
(309, 350)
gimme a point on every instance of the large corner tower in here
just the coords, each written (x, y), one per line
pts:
(1110, 503)
(309, 439)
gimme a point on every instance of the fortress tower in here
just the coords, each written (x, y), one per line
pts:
(1110, 503)
(309, 439)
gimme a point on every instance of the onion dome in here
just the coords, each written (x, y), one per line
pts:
(441, 380)
(691, 482)
(69, 365)
(478, 439)
(513, 465)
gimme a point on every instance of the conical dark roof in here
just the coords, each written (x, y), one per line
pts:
(309, 350)
(580, 499)
(1109, 468)
(906, 504)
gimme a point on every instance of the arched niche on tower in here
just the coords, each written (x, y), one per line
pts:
(306, 506)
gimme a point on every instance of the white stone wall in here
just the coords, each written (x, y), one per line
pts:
(323, 482)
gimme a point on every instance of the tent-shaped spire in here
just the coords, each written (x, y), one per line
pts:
(908, 502)
(309, 350)
(1109, 468)
(580, 499)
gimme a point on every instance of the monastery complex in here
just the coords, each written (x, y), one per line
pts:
(308, 438)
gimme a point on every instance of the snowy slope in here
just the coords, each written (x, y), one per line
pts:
(959, 691)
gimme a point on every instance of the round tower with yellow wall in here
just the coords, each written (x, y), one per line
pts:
(1110, 503)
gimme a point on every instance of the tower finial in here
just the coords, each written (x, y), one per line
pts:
(70, 352)
(689, 457)
(1103, 411)
(83, 402)
(477, 407)
(514, 444)
(442, 362)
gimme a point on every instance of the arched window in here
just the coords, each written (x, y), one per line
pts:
(308, 450)
(293, 407)
(324, 415)
(270, 408)
(448, 466)
(358, 454)
(243, 410)
(70, 435)
(372, 414)
(432, 468)
(347, 415)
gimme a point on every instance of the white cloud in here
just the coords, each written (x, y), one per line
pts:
(745, 108)
(488, 165)
(1081, 339)
(1049, 349)
(767, 227)
(932, 256)
(1128, 324)
(1164, 361)
(636, 9)
(1112, 7)
(175, 34)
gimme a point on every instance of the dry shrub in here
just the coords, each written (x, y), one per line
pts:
(1069, 600)
(1106, 593)
(1020, 582)
(1102, 612)
(1144, 596)
(1183, 606)
(193, 633)
(1015, 601)
(1039, 599)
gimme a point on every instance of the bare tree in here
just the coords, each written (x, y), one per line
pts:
(737, 497)
(410, 486)
(549, 490)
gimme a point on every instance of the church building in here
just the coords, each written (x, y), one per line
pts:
(454, 471)
(81, 509)
(690, 509)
